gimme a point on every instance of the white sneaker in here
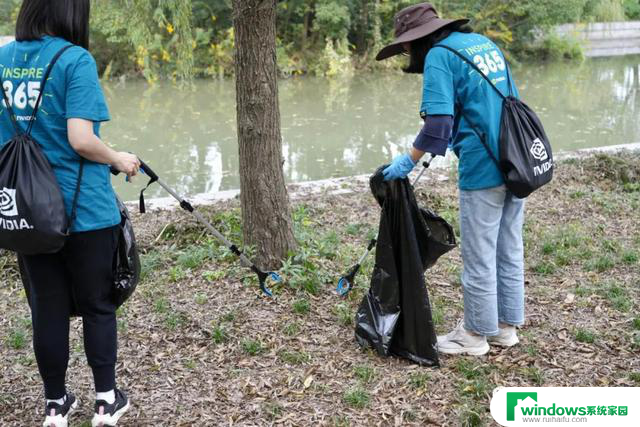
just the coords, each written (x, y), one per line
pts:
(460, 341)
(58, 415)
(508, 337)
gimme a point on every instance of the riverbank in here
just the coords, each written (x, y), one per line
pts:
(198, 346)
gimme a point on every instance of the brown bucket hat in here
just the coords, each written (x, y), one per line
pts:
(413, 23)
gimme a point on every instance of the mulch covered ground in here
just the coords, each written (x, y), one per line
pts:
(199, 346)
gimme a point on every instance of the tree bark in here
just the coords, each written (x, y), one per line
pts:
(265, 202)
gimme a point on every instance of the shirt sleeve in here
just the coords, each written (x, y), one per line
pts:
(85, 99)
(438, 95)
(435, 135)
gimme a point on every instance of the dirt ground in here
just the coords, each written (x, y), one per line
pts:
(200, 346)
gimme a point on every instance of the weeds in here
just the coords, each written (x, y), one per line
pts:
(291, 329)
(585, 336)
(301, 306)
(419, 380)
(344, 313)
(535, 375)
(252, 347)
(219, 335)
(630, 257)
(17, 339)
(365, 373)
(357, 397)
(273, 409)
(294, 357)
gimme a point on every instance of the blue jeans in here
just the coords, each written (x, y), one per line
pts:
(491, 224)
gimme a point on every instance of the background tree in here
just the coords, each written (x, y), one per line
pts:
(265, 203)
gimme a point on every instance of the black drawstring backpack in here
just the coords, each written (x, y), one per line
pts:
(33, 219)
(526, 158)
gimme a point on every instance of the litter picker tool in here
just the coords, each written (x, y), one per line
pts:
(345, 284)
(263, 276)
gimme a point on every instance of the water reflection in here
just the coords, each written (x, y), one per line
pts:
(343, 127)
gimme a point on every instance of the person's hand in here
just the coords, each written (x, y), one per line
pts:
(127, 163)
(399, 168)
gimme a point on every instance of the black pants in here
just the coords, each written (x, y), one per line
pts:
(78, 280)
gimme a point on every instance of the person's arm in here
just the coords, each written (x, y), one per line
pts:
(84, 141)
(433, 138)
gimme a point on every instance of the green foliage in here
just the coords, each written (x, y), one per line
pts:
(252, 347)
(419, 380)
(155, 37)
(178, 39)
(632, 9)
(357, 397)
(301, 306)
(364, 373)
(585, 336)
(17, 339)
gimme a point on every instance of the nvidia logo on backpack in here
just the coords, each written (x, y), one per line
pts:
(539, 152)
(8, 206)
(8, 209)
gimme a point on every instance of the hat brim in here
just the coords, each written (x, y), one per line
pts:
(396, 48)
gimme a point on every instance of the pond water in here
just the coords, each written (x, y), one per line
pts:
(336, 128)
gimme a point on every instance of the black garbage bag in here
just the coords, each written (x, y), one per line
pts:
(394, 317)
(126, 263)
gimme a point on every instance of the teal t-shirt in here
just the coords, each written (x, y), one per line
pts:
(73, 91)
(452, 87)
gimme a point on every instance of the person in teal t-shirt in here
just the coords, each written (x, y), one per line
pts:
(457, 104)
(80, 278)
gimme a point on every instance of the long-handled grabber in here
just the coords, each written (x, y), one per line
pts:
(345, 284)
(263, 276)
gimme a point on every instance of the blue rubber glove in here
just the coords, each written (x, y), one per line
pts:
(399, 168)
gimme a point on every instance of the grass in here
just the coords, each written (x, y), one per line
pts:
(273, 409)
(219, 335)
(616, 295)
(545, 268)
(585, 336)
(364, 373)
(294, 357)
(600, 264)
(419, 380)
(344, 313)
(174, 321)
(252, 347)
(636, 323)
(17, 339)
(301, 306)
(630, 257)
(471, 416)
(357, 397)
(635, 377)
(291, 329)
(161, 305)
(535, 375)
(477, 384)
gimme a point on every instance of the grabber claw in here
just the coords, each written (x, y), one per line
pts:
(263, 277)
(345, 284)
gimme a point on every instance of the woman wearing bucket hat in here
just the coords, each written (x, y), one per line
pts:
(457, 102)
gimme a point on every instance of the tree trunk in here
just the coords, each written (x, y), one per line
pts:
(265, 203)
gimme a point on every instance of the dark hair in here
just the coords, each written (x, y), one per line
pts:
(421, 47)
(68, 19)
